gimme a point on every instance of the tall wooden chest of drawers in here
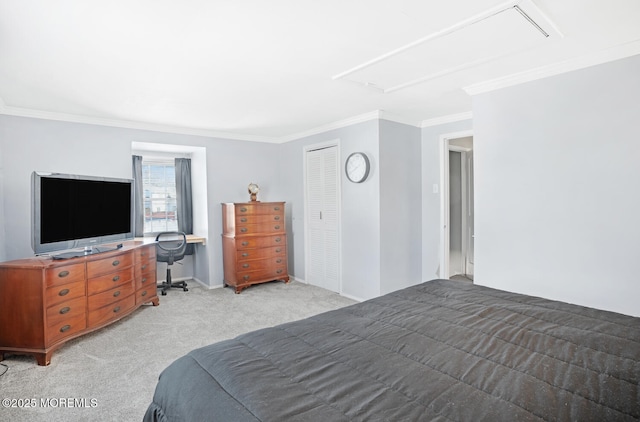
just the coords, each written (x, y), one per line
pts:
(254, 243)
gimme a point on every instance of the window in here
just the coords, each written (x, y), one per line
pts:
(159, 187)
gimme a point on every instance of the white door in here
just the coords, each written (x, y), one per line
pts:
(321, 180)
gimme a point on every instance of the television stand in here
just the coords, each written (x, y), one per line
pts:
(88, 250)
(45, 302)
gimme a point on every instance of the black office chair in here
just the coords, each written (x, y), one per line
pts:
(170, 248)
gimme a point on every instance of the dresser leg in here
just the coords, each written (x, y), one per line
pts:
(43, 359)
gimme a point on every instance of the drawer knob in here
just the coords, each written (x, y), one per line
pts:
(276, 227)
(243, 220)
(243, 230)
(277, 218)
(245, 265)
(65, 310)
(63, 274)
(245, 254)
(278, 250)
(246, 277)
(278, 239)
(65, 328)
(115, 263)
(245, 243)
(144, 280)
(276, 208)
(278, 261)
(279, 271)
(116, 293)
(116, 309)
(144, 293)
(243, 209)
(144, 267)
(116, 278)
(63, 292)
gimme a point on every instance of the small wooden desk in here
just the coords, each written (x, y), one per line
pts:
(191, 238)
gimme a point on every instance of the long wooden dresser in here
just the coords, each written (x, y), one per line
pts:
(45, 302)
(254, 243)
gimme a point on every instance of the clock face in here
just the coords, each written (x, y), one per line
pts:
(357, 167)
(253, 188)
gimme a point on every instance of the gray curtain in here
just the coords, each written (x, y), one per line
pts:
(184, 198)
(138, 219)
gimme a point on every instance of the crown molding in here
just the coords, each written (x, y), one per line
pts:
(126, 124)
(373, 115)
(451, 118)
(603, 56)
(332, 126)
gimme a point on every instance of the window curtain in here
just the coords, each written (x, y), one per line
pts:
(138, 217)
(184, 198)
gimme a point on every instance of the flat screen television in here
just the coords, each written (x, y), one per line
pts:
(71, 212)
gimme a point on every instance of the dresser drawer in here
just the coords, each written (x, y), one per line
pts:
(66, 310)
(109, 281)
(260, 228)
(64, 292)
(146, 279)
(261, 264)
(259, 219)
(109, 265)
(145, 267)
(268, 252)
(255, 209)
(110, 296)
(64, 274)
(261, 241)
(261, 275)
(112, 311)
(66, 328)
(146, 293)
(145, 254)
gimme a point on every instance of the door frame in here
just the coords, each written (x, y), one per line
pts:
(444, 196)
(305, 150)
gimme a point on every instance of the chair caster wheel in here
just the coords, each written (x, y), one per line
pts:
(164, 293)
(185, 289)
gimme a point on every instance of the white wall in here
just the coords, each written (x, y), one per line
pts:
(400, 206)
(360, 211)
(557, 166)
(33, 144)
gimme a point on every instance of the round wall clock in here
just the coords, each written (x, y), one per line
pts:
(357, 167)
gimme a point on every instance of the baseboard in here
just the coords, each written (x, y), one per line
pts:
(299, 280)
(357, 299)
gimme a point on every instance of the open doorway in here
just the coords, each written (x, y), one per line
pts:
(457, 208)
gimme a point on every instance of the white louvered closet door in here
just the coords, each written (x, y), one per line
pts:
(323, 267)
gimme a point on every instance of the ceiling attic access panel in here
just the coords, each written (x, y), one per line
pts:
(496, 33)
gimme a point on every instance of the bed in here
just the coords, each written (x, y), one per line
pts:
(439, 351)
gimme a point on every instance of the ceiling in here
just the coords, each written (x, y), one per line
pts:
(276, 70)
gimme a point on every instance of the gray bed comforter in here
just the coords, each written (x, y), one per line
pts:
(441, 350)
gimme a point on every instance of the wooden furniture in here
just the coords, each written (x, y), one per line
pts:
(254, 243)
(45, 302)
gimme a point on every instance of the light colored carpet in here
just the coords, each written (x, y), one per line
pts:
(111, 374)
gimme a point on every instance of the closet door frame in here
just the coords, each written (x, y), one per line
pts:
(308, 148)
